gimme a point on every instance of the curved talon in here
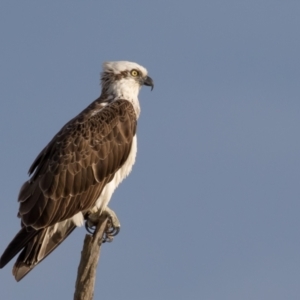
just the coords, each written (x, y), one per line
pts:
(89, 229)
(107, 238)
(110, 233)
(112, 225)
(114, 231)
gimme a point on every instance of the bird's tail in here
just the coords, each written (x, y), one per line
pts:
(22, 238)
(36, 245)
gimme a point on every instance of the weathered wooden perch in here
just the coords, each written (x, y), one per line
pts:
(86, 274)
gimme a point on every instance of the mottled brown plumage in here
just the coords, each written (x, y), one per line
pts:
(78, 162)
(80, 168)
(68, 176)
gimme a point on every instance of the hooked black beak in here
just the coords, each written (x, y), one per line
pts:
(149, 82)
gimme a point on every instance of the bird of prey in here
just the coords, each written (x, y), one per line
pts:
(76, 174)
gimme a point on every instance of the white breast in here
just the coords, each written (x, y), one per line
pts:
(108, 190)
(118, 178)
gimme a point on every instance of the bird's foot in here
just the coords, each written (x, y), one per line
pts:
(112, 227)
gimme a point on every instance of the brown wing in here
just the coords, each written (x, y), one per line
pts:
(71, 172)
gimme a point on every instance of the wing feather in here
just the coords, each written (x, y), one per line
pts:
(35, 206)
(70, 173)
(61, 183)
(68, 184)
(76, 184)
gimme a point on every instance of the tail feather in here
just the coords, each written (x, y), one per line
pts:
(36, 247)
(21, 239)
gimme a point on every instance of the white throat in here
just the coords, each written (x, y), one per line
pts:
(127, 89)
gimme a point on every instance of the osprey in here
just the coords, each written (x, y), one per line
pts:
(76, 174)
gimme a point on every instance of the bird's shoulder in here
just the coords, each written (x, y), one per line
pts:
(99, 123)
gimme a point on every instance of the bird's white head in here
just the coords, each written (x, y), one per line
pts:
(123, 80)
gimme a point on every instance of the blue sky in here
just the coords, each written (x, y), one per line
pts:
(211, 209)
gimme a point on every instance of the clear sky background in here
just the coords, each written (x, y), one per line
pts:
(211, 209)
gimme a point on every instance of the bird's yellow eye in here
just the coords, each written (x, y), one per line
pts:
(134, 73)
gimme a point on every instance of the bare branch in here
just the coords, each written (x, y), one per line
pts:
(86, 274)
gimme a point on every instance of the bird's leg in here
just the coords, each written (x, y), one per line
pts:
(113, 224)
